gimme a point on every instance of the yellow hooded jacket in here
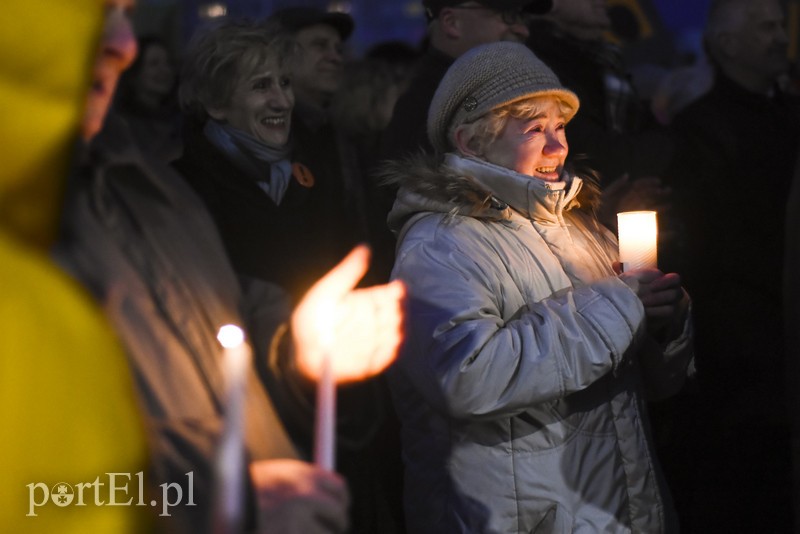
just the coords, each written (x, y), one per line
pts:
(67, 406)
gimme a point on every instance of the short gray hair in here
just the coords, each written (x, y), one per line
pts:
(221, 53)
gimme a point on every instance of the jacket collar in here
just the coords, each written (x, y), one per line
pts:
(533, 198)
(475, 188)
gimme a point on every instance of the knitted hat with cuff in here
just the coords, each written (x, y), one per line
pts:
(484, 78)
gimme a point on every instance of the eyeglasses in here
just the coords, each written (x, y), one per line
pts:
(508, 16)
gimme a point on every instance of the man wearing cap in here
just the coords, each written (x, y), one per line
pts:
(453, 28)
(319, 145)
(528, 354)
(321, 35)
(316, 75)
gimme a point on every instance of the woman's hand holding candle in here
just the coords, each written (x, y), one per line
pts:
(359, 329)
(664, 299)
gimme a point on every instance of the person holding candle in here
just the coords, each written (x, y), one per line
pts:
(528, 355)
(141, 241)
(283, 213)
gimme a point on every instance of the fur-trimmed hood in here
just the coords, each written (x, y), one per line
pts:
(458, 185)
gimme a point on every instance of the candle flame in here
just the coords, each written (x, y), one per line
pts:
(638, 239)
(230, 336)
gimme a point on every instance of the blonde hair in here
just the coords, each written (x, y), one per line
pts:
(483, 131)
(221, 54)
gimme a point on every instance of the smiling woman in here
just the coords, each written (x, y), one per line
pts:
(525, 352)
(235, 85)
(279, 222)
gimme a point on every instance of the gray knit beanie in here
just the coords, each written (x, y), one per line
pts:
(484, 78)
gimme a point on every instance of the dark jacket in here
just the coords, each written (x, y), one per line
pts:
(407, 131)
(614, 131)
(292, 244)
(140, 239)
(731, 177)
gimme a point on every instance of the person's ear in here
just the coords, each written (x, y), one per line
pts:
(728, 44)
(449, 23)
(464, 141)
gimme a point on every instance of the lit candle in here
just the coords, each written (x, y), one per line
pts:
(638, 239)
(230, 467)
(325, 424)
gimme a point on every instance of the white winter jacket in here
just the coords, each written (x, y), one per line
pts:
(522, 381)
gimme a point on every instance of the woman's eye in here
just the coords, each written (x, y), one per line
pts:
(285, 82)
(260, 84)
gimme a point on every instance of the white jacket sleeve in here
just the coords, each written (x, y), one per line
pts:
(470, 356)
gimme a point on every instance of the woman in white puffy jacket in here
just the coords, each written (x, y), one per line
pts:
(528, 356)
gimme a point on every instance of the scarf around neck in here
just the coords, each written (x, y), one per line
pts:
(250, 155)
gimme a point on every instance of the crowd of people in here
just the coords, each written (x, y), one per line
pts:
(433, 228)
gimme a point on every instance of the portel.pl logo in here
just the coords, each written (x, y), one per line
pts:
(114, 489)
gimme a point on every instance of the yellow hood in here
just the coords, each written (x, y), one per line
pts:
(46, 54)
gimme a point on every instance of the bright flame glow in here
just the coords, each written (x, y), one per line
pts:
(230, 336)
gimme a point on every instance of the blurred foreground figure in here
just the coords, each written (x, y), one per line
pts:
(66, 398)
(736, 152)
(142, 242)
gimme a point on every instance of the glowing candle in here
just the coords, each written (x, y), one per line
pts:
(230, 467)
(638, 239)
(325, 424)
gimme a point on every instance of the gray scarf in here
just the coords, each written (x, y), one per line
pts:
(249, 155)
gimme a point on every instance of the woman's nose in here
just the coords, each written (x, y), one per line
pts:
(119, 39)
(555, 146)
(282, 98)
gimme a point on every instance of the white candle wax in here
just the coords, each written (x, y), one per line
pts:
(638, 239)
(325, 426)
(230, 468)
(325, 423)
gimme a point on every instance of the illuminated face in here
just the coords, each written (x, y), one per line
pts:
(116, 53)
(261, 104)
(318, 71)
(536, 147)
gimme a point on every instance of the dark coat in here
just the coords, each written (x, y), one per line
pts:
(292, 244)
(613, 129)
(141, 241)
(407, 131)
(736, 151)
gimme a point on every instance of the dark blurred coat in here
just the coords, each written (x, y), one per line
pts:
(292, 244)
(736, 152)
(614, 131)
(140, 239)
